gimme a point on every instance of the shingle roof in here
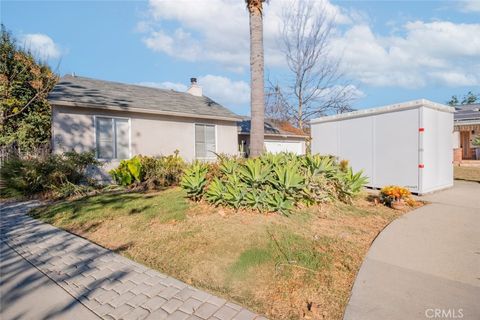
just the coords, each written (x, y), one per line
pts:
(467, 113)
(86, 92)
(271, 128)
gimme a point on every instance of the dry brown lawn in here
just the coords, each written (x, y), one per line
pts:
(297, 267)
(467, 173)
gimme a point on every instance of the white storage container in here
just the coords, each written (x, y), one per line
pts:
(407, 144)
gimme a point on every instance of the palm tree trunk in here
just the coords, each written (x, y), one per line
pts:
(257, 79)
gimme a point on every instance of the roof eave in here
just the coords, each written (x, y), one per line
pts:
(278, 135)
(466, 122)
(140, 110)
(385, 109)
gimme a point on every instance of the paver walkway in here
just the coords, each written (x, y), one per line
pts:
(426, 264)
(111, 286)
(26, 293)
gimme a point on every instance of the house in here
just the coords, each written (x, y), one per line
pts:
(280, 136)
(119, 121)
(466, 128)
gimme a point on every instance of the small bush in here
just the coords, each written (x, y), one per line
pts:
(150, 172)
(128, 172)
(48, 175)
(272, 182)
(163, 171)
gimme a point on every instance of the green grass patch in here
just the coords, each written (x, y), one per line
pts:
(250, 258)
(296, 249)
(285, 248)
(342, 209)
(165, 206)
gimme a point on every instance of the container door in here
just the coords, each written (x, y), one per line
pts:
(396, 148)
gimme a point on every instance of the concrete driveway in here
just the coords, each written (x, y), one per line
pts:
(426, 264)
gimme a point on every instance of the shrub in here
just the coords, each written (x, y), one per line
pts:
(128, 172)
(163, 171)
(391, 194)
(150, 172)
(48, 175)
(272, 182)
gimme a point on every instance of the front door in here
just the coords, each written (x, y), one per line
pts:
(465, 144)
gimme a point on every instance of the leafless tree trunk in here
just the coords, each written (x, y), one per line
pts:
(317, 85)
(257, 78)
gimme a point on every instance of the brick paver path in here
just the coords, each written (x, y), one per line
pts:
(110, 285)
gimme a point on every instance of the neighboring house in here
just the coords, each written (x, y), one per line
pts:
(119, 121)
(466, 128)
(280, 136)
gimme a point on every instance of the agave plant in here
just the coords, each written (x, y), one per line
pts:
(317, 164)
(234, 195)
(319, 189)
(228, 166)
(216, 191)
(255, 199)
(288, 179)
(254, 172)
(194, 180)
(277, 202)
(350, 183)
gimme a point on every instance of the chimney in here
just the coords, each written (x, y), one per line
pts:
(195, 89)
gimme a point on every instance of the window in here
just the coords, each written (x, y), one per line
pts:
(113, 138)
(205, 141)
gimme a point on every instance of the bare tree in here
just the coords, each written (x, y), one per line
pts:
(316, 86)
(276, 104)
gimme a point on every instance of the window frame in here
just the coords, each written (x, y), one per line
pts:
(112, 118)
(195, 140)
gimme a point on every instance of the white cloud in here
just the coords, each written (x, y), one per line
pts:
(229, 93)
(469, 5)
(41, 45)
(225, 90)
(415, 54)
(216, 30)
(350, 91)
(355, 92)
(438, 52)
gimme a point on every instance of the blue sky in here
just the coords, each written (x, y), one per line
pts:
(392, 51)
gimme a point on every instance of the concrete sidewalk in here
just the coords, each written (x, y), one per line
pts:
(426, 264)
(95, 282)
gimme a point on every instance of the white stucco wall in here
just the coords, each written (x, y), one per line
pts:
(73, 129)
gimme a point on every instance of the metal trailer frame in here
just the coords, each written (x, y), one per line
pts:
(407, 144)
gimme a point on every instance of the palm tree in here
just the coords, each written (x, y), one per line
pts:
(256, 77)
